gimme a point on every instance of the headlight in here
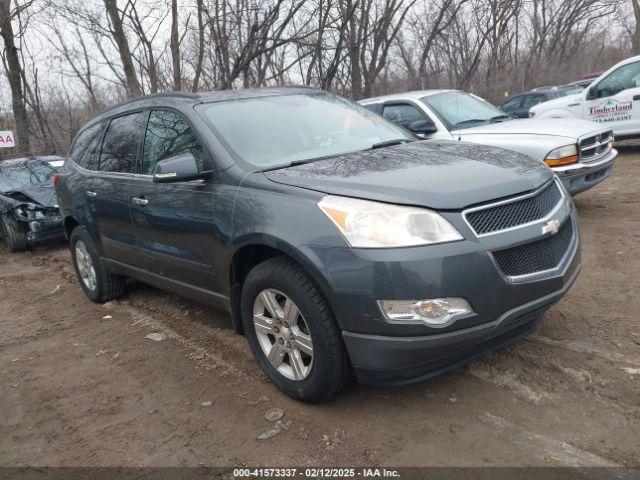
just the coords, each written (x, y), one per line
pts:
(562, 156)
(367, 224)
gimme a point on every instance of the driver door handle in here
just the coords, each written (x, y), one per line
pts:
(91, 194)
(140, 201)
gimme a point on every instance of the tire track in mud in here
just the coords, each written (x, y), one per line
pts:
(204, 356)
(553, 449)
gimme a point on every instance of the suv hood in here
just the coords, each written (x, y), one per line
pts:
(531, 126)
(434, 174)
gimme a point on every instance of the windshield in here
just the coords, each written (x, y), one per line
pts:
(462, 110)
(274, 131)
(27, 174)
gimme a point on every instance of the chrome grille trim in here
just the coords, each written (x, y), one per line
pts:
(519, 198)
(596, 146)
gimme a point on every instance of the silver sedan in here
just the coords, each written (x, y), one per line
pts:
(580, 152)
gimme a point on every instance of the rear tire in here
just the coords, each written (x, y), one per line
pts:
(13, 234)
(97, 283)
(326, 369)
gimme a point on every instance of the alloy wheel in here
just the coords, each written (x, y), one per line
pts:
(85, 265)
(283, 334)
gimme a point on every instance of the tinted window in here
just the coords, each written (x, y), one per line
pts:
(374, 107)
(402, 114)
(531, 100)
(121, 143)
(625, 77)
(168, 135)
(512, 104)
(86, 147)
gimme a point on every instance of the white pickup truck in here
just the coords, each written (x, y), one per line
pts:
(612, 99)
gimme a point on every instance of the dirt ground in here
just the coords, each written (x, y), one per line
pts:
(80, 385)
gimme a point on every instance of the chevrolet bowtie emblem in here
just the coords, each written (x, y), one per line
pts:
(552, 227)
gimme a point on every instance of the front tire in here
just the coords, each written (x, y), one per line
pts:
(292, 332)
(97, 283)
(13, 234)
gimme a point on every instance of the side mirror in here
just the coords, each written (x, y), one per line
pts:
(181, 168)
(591, 93)
(422, 127)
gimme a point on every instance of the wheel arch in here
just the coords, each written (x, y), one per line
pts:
(70, 223)
(253, 251)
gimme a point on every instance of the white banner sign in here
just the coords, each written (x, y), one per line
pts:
(7, 139)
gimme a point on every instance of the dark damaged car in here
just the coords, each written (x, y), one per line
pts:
(28, 206)
(339, 242)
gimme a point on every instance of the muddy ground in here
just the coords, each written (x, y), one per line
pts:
(80, 385)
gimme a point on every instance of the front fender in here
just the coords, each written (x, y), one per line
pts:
(288, 220)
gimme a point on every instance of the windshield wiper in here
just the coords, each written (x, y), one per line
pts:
(471, 120)
(295, 163)
(498, 118)
(390, 143)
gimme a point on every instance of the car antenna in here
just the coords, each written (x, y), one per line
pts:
(458, 113)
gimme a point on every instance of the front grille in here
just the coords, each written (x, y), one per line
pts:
(515, 213)
(592, 148)
(539, 256)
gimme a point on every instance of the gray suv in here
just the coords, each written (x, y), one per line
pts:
(341, 244)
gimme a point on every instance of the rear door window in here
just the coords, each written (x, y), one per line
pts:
(86, 147)
(168, 135)
(121, 143)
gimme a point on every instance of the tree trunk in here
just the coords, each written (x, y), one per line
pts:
(117, 30)
(14, 76)
(175, 47)
(636, 34)
(198, 72)
(354, 57)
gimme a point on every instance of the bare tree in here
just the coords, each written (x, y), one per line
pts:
(372, 32)
(120, 38)
(175, 46)
(200, 47)
(105, 51)
(75, 52)
(635, 45)
(13, 69)
(146, 31)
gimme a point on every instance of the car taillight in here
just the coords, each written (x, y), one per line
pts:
(56, 177)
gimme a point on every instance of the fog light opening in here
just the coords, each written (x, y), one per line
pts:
(433, 312)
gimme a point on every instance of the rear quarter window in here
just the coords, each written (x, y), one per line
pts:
(86, 147)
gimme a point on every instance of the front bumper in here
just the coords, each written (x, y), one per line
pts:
(579, 176)
(381, 360)
(40, 231)
(384, 351)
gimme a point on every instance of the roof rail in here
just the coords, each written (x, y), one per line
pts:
(152, 95)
